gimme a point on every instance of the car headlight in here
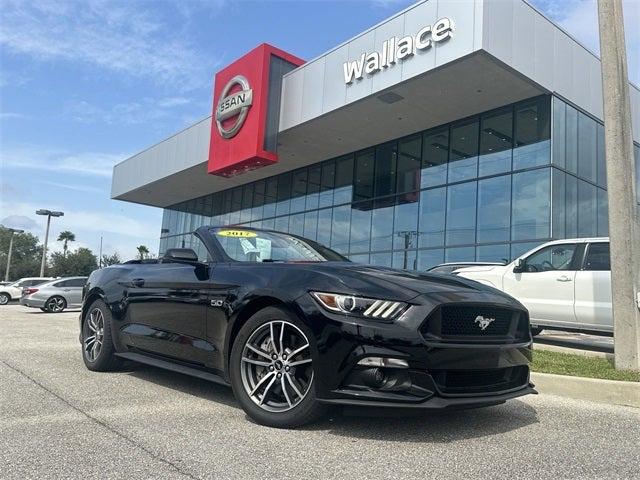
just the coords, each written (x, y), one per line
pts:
(360, 306)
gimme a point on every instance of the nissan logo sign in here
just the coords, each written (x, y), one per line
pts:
(233, 105)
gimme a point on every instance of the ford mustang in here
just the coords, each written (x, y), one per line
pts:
(295, 327)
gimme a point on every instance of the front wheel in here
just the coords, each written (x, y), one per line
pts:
(4, 298)
(98, 351)
(55, 304)
(272, 370)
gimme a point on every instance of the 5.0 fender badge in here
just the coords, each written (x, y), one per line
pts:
(233, 105)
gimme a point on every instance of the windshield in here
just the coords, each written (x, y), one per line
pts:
(262, 246)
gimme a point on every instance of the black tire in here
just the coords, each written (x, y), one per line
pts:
(305, 411)
(535, 331)
(55, 304)
(44, 310)
(5, 298)
(105, 359)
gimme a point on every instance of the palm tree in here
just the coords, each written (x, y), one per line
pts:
(66, 237)
(143, 252)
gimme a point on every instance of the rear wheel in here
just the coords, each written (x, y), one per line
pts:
(55, 304)
(4, 298)
(272, 370)
(43, 309)
(98, 351)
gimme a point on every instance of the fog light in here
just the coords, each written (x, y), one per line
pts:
(383, 362)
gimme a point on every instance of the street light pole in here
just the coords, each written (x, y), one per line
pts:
(13, 232)
(49, 214)
(624, 222)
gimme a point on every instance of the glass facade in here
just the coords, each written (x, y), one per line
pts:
(486, 188)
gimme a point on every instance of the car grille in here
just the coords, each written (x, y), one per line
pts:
(464, 324)
(469, 382)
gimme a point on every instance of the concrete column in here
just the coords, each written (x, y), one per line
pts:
(624, 222)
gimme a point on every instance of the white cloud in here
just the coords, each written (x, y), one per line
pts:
(130, 38)
(12, 116)
(74, 186)
(87, 163)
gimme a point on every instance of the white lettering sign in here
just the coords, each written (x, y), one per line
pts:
(395, 50)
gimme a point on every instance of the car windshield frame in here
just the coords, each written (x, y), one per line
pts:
(310, 251)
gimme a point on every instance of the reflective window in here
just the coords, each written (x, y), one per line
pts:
(496, 142)
(324, 226)
(385, 169)
(296, 224)
(382, 224)
(601, 162)
(559, 202)
(493, 253)
(463, 151)
(360, 227)
(559, 131)
(270, 197)
(432, 217)
(587, 147)
(587, 210)
(518, 249)
(313, 187)
(531, 205)
(430, 258)
(298, 190)
(598, 257)
(435, 152)
(532, 124)
(460, 254)
(363, 181)
(603, 213)
(409, 162)
(340, 228)
(327, 184)
(571, 207)
(461, 214)
(405, 260)
(380, 259)
(343, 180)
(494, 206)
(405, 225)
(551, 258)
(571, 139)
(311, 225)
(284, 194)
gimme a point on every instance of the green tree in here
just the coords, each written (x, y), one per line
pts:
(66, 237)
(80, 262)
(111, 259)
(143, 252)
(25, 257)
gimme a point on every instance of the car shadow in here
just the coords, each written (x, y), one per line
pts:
(183, 383)
(429, 427)
(369, 423)
(37, 311)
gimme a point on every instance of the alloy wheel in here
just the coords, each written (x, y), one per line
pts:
(56, 304)
(4, 299)
(94, 334)
(276, 366)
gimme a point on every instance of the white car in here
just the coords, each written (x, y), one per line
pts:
(13, 291)
(565, 284)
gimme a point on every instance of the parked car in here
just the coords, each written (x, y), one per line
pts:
(293, 327)
(451, 267)
(55, 296)
(565, 284)
(13, 291)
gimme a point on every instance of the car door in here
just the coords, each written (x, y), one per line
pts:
(593, 305)
(167, 308)
(546, 286)
(73, 290)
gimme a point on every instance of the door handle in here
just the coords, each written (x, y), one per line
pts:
(137, 282)
(563, 278)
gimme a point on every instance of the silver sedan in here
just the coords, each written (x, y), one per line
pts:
(55, 296)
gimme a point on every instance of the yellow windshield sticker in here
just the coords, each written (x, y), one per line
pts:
(237, 233)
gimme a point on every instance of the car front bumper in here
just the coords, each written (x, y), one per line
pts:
(437, 374)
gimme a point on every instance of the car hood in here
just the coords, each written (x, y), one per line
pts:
(387, 282)
(479, 269)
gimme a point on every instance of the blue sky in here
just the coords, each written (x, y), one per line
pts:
(85, 84)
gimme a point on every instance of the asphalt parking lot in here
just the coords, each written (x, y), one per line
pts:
(58, 420)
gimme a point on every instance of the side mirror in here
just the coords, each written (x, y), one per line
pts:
(180, 255)
(519, 266)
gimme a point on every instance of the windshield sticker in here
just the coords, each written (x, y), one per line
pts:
(236, 233)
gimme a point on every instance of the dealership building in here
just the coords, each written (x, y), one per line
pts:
(456, 130)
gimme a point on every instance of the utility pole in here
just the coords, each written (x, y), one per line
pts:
(100, 257)
(13, 232)
(624, 224)
(49, 214)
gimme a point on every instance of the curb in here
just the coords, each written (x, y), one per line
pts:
(573, 351)
(613, 392)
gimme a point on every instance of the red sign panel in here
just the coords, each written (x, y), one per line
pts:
(246, 105)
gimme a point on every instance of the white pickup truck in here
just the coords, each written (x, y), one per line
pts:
(565, 284)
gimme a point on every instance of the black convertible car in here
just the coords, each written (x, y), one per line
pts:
(294, 327)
